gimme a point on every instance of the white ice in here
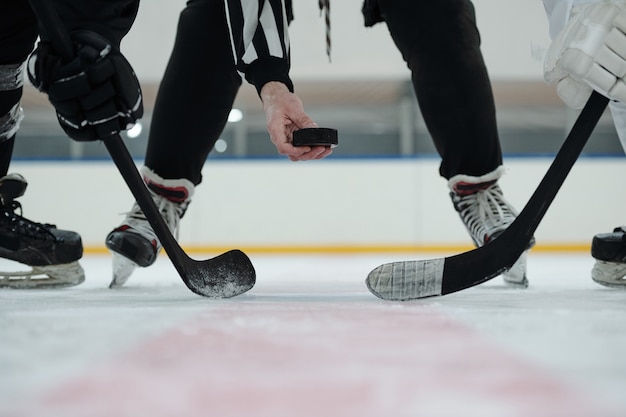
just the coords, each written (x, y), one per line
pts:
(310, 340)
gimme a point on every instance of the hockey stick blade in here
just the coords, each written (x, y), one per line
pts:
(410, 280)
(223, 276)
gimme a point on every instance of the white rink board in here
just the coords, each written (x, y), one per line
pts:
(369, 202)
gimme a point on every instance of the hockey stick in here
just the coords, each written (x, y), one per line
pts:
(224, 276)
(409, 280)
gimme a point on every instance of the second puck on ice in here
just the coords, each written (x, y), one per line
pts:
(315, 136)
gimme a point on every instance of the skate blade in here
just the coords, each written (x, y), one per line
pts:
(122, 270)
(41, 277)
(609, 274)
(516, 276)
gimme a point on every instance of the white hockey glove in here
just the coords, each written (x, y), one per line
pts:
(590, 53)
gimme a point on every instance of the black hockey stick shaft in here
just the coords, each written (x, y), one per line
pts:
(520, 232)
(408, 280)
(226, 275)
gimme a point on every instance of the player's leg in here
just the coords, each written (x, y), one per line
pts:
(192, 107)
(440, 42)
(52, 254)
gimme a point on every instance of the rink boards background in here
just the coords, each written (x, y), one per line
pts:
(335, 205)
(514, 36)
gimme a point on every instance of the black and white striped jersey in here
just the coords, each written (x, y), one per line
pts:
(260, 40)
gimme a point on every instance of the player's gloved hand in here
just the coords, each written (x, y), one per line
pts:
(96, 94)
(590, 53)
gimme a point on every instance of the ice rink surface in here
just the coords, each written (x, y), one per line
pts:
(310, 340)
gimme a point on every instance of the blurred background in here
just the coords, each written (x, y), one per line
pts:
(380, 189)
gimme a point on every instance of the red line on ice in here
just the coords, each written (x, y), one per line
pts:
(299, 359)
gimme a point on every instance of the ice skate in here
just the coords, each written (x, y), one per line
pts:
(486, 214)
(50, 254)
(134, 243)
(609, 251)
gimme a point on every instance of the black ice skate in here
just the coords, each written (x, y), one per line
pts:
(486, 215)
(609, 251)
(134, 243)
(52, 254)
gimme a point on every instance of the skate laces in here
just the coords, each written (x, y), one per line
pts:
(16, 224)
(484, 212)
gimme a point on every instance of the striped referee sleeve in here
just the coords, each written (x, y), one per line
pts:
(260, 39)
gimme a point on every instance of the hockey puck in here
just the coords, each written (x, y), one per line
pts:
(315, 136)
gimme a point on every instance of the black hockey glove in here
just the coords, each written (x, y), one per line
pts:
(96, 94)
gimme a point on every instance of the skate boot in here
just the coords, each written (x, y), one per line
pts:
(134, 243)
(609, 251)
(52, 254)
(486, 214)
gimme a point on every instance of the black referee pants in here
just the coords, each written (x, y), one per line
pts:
(440, 43)
(196, 93)
(438, 39)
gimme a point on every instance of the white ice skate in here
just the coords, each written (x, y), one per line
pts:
(486, 214)
(134, 243)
